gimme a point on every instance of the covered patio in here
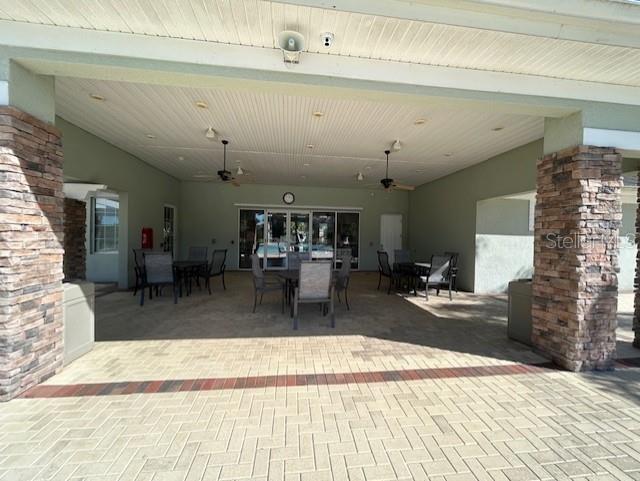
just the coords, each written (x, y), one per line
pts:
(254, 139)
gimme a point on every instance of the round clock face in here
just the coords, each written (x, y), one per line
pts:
(288, 197)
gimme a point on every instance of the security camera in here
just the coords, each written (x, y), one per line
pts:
(327, 39)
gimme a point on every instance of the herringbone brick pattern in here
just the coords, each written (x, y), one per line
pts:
(550, 425)
(504, 426)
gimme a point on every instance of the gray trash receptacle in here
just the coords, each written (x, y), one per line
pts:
(519, 314)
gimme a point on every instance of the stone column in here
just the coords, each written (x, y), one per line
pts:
(75, 227)
(575, 283)
(31, 238)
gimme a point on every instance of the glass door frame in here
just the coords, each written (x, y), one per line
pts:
(305, 211)
(309, 214)
(265, 261)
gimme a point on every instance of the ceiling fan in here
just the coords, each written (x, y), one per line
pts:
(224, 174)
(390, 184)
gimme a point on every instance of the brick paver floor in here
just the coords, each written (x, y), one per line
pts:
(477, 408)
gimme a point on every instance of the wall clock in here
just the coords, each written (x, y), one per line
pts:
(288, 198)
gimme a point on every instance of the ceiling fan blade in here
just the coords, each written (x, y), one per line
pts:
(403, 187)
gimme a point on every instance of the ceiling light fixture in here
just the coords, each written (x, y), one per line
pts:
(201, 104)
(396, 146)
(97, 97)
(360, 177)
(318, 114)
(419, 121)
(151, 136)
(180, 158)
(306, 165)
(239, 171)
(211, 134)
(310, 146)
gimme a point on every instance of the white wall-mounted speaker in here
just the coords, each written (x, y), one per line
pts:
(291, 43)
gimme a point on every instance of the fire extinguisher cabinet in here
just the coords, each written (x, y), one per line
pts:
(146, 241)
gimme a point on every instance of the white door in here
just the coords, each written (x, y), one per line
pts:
(391, 234)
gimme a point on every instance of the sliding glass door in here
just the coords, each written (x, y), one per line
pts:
(299, 238)
(324, 229)
(277, 245)
(321, 235)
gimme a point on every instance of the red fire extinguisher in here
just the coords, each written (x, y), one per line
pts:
(147, 238)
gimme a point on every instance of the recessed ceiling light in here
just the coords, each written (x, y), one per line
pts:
(97, 97)
(448, 154)
(318, 113)
(201, 104)
(497, 129)
(310, 146)
(151, 136)
(420, 121)
(306, 164)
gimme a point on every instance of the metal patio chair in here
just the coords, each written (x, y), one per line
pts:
(215, 268)
(263, 283)
(342, 279)
(159, 272)
(437, 275)
(314, 287)
(384, 270)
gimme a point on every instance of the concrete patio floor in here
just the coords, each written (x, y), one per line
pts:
(468, 408)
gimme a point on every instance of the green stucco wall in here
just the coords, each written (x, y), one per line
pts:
(145, 189)
(208, 212)
(442, 213)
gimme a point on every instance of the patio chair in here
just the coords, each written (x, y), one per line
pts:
(342, 279)
(138, 268)
(215, 268)
(314, 287)
(263, 283)
(453, 271)
(197, 254)
(403, 267)
(293, 260)
(437, 275)
(384, 270)
(158, 273)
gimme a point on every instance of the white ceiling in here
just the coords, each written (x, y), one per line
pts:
(257, 23)
(269, 132)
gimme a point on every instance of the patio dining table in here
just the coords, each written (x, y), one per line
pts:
(412, 270)
(184, 270)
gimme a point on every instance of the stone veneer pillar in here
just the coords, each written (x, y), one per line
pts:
(575, 284)
(75, 250)
(31, 237)
(636, 283)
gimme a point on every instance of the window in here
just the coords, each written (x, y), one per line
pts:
(105, 224)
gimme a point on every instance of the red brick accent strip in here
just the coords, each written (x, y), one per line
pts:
(214, 384)
(575, 283)
(31, 215)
